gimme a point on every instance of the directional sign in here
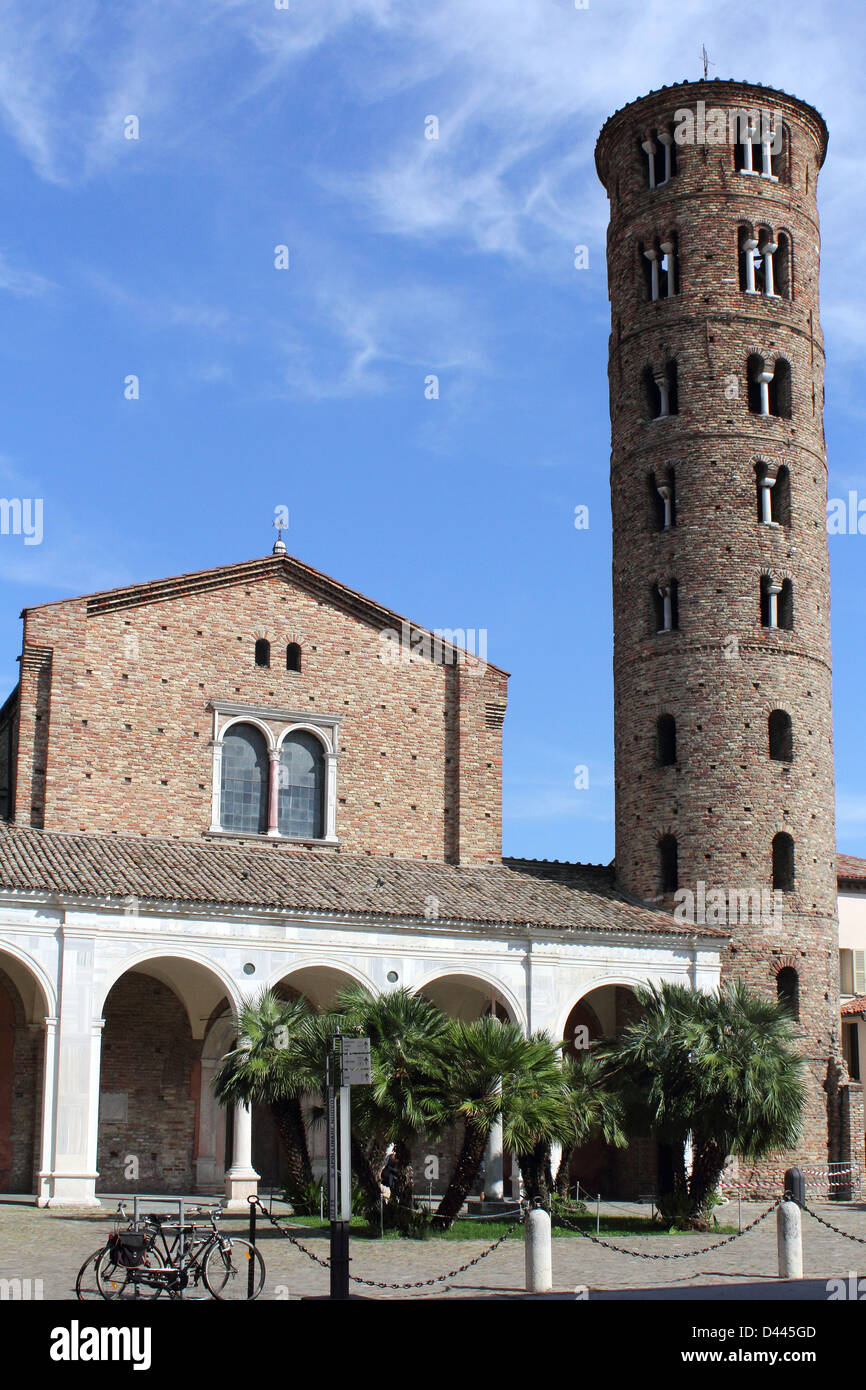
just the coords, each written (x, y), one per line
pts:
(354, 1056)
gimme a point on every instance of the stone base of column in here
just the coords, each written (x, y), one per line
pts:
(241, 1183)
(67, 1190)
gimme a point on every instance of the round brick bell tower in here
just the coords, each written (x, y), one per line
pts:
(721, 592)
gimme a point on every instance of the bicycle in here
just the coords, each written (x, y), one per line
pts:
(133, 1264)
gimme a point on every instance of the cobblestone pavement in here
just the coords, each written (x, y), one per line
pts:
(51, 1246)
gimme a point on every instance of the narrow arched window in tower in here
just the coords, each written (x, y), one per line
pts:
(786, 605)
(778, 150)
(782, 266)
(781, 734)
(293, 657)
(663, 500)
(770, 592)
(783, 862)
(649, 260)
(665, 606)
(765, 279)
(780, 390)
(263, 652)
(669, 269)
(788, 990)
(780, 497)
(666, 740)
(668, 877)
(648, 150)
(748, 156)
(764, 481)
(672, 382)
(747, 243)
(758, 380)
(651, 394)
(666, 157)
(774, 495)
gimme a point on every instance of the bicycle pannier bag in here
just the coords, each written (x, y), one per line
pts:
(128, 1249)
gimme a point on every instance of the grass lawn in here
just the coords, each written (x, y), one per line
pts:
(488, 1231)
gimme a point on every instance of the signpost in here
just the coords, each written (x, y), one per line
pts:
(348, 1065)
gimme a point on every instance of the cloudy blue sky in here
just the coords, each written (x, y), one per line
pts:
(259, 387)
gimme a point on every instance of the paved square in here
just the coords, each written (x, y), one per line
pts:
(52, 1246)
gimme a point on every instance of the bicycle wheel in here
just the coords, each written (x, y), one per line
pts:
(86, 1286)
(117, 1283)
(229, 1267)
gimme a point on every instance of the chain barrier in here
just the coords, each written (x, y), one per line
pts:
(382, 1284)
(310, 1254)
(860, 1240)
(681, 1254)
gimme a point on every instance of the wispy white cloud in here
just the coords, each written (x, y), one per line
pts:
(21, 282)
(520, 88)
(371, 334)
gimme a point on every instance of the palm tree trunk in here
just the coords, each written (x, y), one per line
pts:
(673, 1199)
(289, 1120)
(561, 1180)
(465, 1172)
(707, 1167)
(404, 1181)
(366, 1179)
(535, 1171)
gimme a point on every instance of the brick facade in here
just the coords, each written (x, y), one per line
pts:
(115, 730)
(148, 1089)
(722, 673)
(21, 1068)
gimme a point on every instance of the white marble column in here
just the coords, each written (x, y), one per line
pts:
(748, 166)
(667, 140)
(242, 1178)
(766, 486)
(750, 245)
(653, 257)
(273, 792)
(664, 493)
(76, 1096)
(331, 797)
(216, 792)
(764, 379)
(773, 592)
(494, 1187)
(668, 248)
(49, 1092)
(768, 251)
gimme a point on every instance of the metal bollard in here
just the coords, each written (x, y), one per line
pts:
(251, 1273)
(537, 1251)
(795, 1186)
(789, 1240)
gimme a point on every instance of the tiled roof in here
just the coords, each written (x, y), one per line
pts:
(286, 879)
(855, 1006)
(848, 866)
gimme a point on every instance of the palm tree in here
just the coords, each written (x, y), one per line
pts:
(489, 1068)
(722, 1068)
(593, 1107)
(405, 1031)
(272, 1065)
(535, 1113)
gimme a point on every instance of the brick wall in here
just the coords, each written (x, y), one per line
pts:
(149, 1057)
(115, 732)
(21, 1067)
